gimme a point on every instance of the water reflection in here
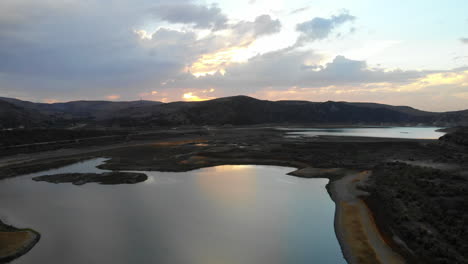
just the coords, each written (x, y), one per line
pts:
(383, 132)
(234, 188)
(225, 214)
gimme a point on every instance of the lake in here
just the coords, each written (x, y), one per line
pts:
(382, 132)
(238, 214)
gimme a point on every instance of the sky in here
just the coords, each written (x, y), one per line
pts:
(394, 52)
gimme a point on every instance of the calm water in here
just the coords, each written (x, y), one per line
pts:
(218, 215)
(383, 132)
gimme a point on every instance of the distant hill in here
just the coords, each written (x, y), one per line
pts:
(15, 116)
(236, 110)
(80, 109)
(243, 110)
(402, 109)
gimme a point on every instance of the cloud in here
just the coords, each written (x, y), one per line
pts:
(430, 92)
(87, 49)
(464, 40)
(173, 46)
(292, 74)
(214, 51)
(439, 91)
(72, 40)
(72, 49)
(69, 50)
(346, 71)
(199, 16)
(262, 25)
(320, 28)
(299, 10)
(290, 67)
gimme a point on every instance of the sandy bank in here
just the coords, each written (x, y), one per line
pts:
(14, 244)
(355, 228)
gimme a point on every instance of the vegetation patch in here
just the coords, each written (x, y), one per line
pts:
(425, 208)
(108, 178)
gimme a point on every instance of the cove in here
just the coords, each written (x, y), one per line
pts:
(232, 214)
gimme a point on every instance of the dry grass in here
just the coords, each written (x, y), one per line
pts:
(12, 242)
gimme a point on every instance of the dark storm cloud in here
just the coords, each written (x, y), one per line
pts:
(320, 28)
(199, 16)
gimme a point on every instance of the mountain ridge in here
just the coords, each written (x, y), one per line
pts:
(234, 110)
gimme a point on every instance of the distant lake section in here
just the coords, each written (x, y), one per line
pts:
(226, 214)
(380, 132)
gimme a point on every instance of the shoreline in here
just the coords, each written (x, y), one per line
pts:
(353, 221)
(337, 158)
(360, 239)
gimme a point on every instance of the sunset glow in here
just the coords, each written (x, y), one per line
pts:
(168, 51)
(217, 62)
(195, 98)
(144, 106)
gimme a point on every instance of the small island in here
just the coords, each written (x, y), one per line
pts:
(107, 178)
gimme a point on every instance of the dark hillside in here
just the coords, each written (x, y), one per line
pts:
(235, 110)
(12, 116)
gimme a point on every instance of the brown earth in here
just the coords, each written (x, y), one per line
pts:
(15, 242)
